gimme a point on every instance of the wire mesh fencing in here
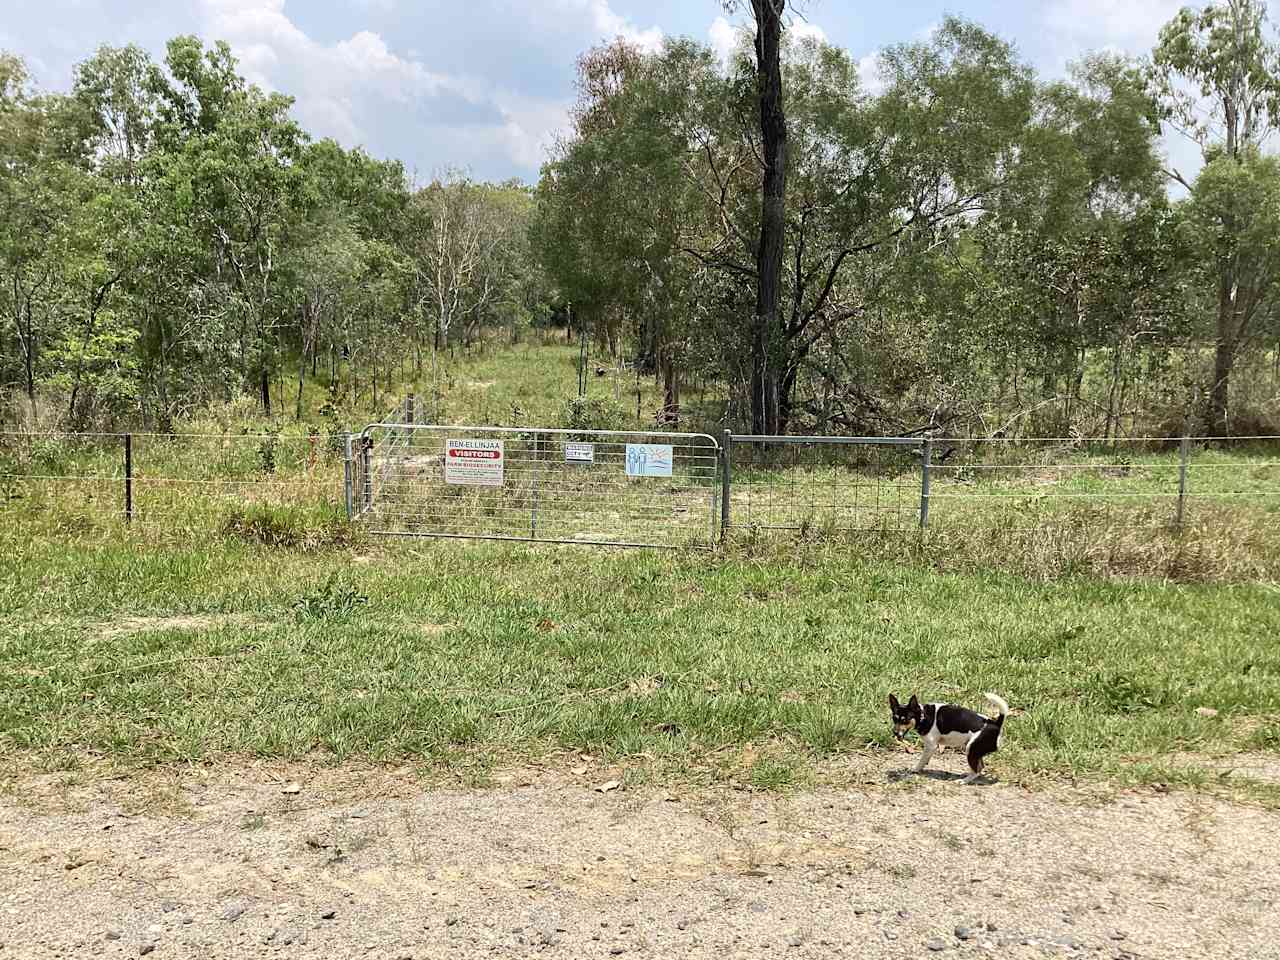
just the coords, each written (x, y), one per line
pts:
(602, 487)
(168, 482)
(1136, 483)
(817, 484)
(893, 484)
(658, 489)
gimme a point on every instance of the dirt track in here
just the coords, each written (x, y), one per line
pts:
(232, 863)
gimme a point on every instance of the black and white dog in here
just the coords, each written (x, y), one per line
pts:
(946, 725)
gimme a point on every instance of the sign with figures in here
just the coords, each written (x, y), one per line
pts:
(649, 460)
(579, 453)
(474, 463)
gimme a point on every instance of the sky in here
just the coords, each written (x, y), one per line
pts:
(485, 85)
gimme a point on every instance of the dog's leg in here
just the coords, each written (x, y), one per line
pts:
(975, 764)
(925, 756)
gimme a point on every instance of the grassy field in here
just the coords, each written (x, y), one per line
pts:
(754, 669)
(241, 614)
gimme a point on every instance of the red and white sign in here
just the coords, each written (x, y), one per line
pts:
(473, 463)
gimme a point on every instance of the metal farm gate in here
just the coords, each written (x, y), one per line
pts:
(561, 486)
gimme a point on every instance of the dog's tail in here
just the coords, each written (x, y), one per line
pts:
(1001, 706)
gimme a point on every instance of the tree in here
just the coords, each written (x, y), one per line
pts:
(1227, 57)
(31, 206)
(458, 254)
(117, 90)
(612, 250)
(878, 176)
(235, 156)
(652, 207)
(765, 400)
(1234, 216)
(62, 244)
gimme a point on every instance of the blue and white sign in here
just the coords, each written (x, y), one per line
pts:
(649, 460)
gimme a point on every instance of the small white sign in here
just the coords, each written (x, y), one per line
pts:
(474, 463)
(579, 453)
(649, 460)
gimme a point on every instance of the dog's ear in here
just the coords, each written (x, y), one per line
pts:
(893, 702)
(913, 702)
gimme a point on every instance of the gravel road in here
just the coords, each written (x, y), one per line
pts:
(272, 861)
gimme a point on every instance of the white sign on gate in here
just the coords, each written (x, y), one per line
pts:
(579, 453)
(649, 460)
(473, 463)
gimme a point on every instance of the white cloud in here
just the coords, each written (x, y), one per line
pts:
(360, 92)
(610, 25)
(869, 73)
(1130, 25)
(804, 30)
(724, 38)
(532, 126)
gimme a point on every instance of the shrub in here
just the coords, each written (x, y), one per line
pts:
(593, 413)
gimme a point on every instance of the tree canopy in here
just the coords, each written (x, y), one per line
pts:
(963, 244)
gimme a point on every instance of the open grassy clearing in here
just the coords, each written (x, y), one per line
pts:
(750, 668)
(526, 384)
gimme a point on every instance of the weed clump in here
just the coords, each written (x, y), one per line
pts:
(334, 599)
(288, 526)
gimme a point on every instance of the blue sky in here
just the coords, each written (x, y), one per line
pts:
(485, 84)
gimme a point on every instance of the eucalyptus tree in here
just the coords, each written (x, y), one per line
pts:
(1219, 72)
(233, 154)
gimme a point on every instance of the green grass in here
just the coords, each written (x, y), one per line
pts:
(241, 614)
(458, 655)
(525, 385)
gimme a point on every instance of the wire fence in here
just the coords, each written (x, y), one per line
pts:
(894, 484)
(177, 482)
(579, 486)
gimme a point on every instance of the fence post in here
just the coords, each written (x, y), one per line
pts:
(926, 460)
(128, 478)
(726, 461)
(347, 466)
(1184, 456)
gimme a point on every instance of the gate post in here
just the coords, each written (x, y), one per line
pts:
(726, 480)
(926, 460)
(347, 466)
(366, 465)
